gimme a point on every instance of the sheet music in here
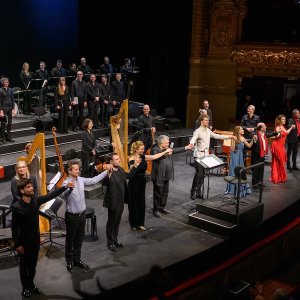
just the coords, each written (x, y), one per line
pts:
(47, 205)
(76, 100)
(210, 161)
(54, 181)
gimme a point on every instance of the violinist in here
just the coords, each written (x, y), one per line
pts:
(137, 184)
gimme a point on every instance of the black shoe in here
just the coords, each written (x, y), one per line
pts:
(70, 267)
(81, 265)
(200, 196)
(193, 195)
(295, 168)
(164, 211)
(119, 245)
(26, 293)
(112, 248)
(156, 214)
(35, 290)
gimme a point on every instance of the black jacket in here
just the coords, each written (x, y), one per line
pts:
(292, 137)
(7, 100)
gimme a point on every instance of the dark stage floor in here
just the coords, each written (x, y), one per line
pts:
(168, 240)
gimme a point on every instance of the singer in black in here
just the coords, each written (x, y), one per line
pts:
(93, 97)
(7, 104)
(43, 74)
(83, 67)
(146, 124)
(26, 77)
(118, 93)
(78, 100)
(116, 194)
(62, 104)
(88, 148)
(292, 140)
(26, 233)
(105, 99)
(162, 173)
(59, 71)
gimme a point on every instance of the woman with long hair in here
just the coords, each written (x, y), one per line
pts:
(137, 184)
(88, 148)
(279, 157)
(22, 174)
(26, 77)
(237, 159)
(62, 104)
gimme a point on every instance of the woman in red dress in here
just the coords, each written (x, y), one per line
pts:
(279, 158)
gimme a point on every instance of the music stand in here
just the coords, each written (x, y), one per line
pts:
(50, 212)
(209, 162)
(35, 85)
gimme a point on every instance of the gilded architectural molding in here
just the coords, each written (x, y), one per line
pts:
(267, 56)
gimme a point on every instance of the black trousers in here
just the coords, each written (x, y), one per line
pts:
(78, 109)
(28, 262)
(93, 109)
(86, 159)
(104, 113)
(258, 172)
(113, 223)
(63, 118)
(198, 178)
(292, 150)
(160, 195)
(75, 226)
(6, 122)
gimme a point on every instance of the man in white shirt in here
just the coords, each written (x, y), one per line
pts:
(201, 140)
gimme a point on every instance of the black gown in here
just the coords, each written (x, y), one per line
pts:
(137, 187)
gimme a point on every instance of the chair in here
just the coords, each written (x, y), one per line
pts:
(17, 91)
(240, 181)
(92, 229)
(172, 121)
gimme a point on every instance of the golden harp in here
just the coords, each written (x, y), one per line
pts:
(38, 144)
(119, 134)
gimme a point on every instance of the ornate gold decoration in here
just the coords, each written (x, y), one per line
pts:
(267, 58)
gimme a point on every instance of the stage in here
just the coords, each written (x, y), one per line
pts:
(168, 242)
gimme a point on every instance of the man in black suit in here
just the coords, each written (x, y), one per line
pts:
(146, 124)
(7, 110)
(43, 74)
(259, 150)
(115, 196)
(293, 139)
(78, 100)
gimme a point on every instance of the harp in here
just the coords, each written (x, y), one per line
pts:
(39, 144)
(119, 134)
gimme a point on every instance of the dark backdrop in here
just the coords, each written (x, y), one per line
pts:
(156, 33)
(35, 30)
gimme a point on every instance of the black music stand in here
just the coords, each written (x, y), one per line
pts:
(209, 162)
(52, 214)
(35, 86)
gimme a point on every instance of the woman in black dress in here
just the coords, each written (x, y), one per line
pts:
(26, 76)
(62, 104)
(137, 185)
(88, 149)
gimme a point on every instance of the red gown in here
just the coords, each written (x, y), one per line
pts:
(279, 159)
